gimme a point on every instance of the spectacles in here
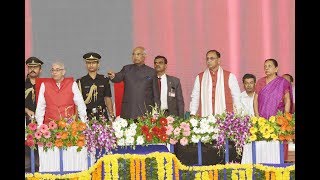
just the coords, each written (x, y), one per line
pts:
(211, 58)
(56, 70)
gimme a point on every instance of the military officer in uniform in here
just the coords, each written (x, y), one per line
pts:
(95, 89)
(34, 70)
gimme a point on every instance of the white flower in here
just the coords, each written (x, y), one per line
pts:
(194, 122)
(133, 126)
(215, 137)
(216, 130)
(124, 123)
(195, 138)
(120, 142)
(129, 140)
(116, 126)
(140, 140)
(205, 139)
(130, 132)
(118, 134)
(212, 119)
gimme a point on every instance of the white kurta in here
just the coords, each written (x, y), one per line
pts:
(195, 95)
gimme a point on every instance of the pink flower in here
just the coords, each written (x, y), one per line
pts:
(49, 144)
(44, 128)
(173, 141)
(29, 137)
(38, 134)
(52, 125)
(47, 134)
(29, 142)
(169, 130)
(32, 126)
(186, 133)
(58, 135)
(185, 126)
(170, 119)
(183, 141)
(176, 131)
(40, 144)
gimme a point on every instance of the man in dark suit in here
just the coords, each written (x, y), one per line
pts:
(141, 89)
(170, 89)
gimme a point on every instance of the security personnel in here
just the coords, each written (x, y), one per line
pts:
(34, 70)
(95, 89)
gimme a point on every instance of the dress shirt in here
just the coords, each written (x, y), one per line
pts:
(247, 103)
(164, 92)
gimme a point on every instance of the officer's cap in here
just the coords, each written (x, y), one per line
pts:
(33, 61)
(92, 56)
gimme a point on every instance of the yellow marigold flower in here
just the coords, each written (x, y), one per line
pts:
(272, 119)
(266, 135)
(254, 119)
(253, 137)
(274, 137)
(261, 121)
(253, 130)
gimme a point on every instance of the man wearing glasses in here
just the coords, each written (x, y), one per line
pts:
(215, 91)
(59, 97)
(141, 89)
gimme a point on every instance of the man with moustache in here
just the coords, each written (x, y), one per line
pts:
(247, 96)
(95, 88)
(141, 89)
(34, 70)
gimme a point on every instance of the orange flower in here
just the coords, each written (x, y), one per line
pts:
(280, 120)
(282, 137)
(74, 126)
(62, 124)
(289, 128)
(283, 128)
(288, 116)
(82, 126)
(80, 143)
(64, 135)
(69, 144)
(74, 132)
(58, 143)
(81, 137)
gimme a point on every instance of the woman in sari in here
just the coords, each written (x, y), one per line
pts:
(273, 92)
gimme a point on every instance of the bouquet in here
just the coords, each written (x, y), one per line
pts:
(61, 133)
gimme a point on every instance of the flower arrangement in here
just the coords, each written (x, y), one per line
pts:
(61, 133)
(203, 129)
(178, 130)
(232, 126)
(286, 121)
(152, 126)
(99, 134)
(279, 127)
(126, 132)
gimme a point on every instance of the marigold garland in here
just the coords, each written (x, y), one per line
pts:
(137, 162)
(163, 170)
(143, 168)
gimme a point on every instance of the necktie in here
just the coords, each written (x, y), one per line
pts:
(159, 84)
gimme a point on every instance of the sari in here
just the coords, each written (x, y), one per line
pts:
(271, 96)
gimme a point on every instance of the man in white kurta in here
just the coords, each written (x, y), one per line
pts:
(215, 91)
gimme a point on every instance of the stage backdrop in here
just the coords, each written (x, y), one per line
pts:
(246, 32)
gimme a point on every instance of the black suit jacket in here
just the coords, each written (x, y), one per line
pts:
(175, 97)
(141, 90)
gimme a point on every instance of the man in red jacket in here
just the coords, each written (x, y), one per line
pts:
(58, 97)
